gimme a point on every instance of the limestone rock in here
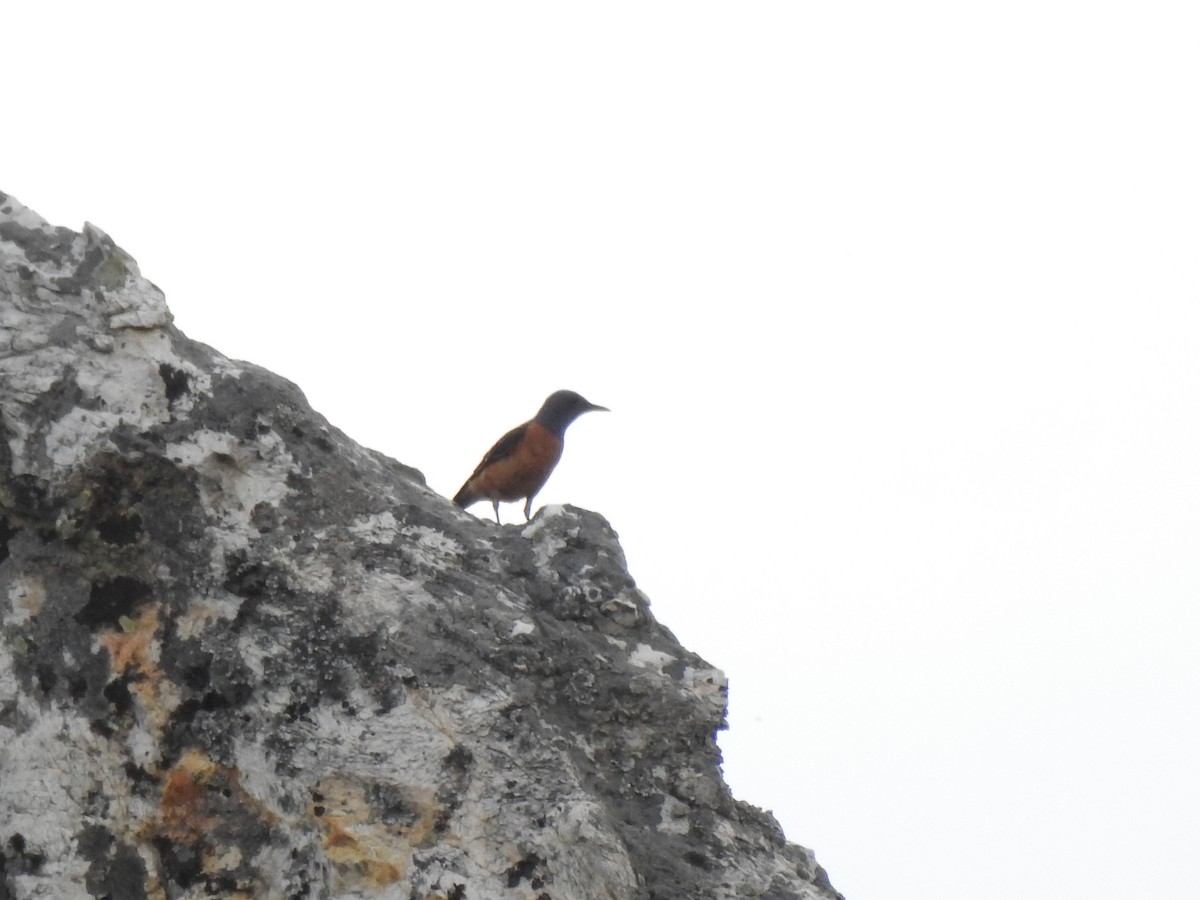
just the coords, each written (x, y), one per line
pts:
(244, 657)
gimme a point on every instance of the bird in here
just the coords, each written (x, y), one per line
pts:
(521, 461)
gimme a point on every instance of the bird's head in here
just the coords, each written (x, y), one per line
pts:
(562, 408)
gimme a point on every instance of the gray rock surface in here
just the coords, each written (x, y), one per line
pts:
(243, 656)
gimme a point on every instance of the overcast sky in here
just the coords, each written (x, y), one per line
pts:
(896, 306)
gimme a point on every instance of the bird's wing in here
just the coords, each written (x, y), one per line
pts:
(502, 448)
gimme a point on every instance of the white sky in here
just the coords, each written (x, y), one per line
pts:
(896, 307)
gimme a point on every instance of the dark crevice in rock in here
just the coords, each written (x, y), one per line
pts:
(7, 531)
(110, 601)
(120, 528)
(175, 381)
(525, 870)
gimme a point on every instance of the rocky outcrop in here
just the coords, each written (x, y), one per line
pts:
(246, 657)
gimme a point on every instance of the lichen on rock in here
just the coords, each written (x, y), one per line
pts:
(243, 656)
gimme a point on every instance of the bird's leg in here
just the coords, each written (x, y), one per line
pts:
(528, 502)
(496, 509)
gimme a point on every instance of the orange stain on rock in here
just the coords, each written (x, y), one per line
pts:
(205, 807)
(135, 648)
(187, 814)
(365, 847)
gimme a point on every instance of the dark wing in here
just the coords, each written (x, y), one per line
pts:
(504, 447)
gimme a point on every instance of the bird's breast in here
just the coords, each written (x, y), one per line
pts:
(523, 472)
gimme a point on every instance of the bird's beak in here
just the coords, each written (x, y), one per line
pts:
(592, 407)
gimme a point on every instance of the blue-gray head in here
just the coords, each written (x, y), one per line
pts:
(561, 409)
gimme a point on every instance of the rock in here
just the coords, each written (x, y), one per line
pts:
(246, 657)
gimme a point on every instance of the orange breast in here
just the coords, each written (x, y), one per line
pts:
(523, 472)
